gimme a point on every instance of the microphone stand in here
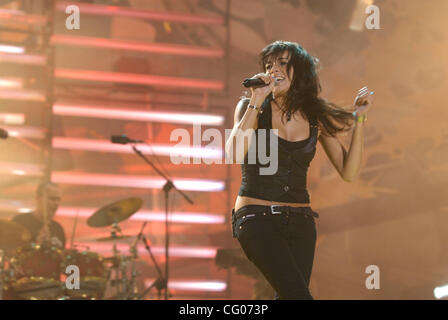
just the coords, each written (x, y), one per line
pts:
(160, 283)
(166, 189)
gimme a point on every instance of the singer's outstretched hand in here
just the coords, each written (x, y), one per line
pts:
(363, 101)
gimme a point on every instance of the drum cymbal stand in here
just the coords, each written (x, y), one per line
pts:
(133, 290)
(119, 265)
(116, 255)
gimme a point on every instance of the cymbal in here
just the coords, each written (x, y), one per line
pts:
(115, 212)
(13, 235)
(113, 238)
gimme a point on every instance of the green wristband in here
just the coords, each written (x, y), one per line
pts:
(362, 118)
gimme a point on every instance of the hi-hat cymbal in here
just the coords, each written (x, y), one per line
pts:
(13, 235)
(115, 212)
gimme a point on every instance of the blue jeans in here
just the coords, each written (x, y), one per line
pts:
(281, 246)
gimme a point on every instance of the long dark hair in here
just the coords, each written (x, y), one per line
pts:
(303, 94)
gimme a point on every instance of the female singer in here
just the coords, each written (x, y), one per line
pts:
(272, 219)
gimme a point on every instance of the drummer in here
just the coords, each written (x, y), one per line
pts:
(48, 196)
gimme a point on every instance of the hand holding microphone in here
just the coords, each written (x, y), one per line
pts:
(261, 85)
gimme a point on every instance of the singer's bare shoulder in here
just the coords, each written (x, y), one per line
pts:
(240, 109)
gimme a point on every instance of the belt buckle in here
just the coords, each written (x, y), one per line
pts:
(273, 210)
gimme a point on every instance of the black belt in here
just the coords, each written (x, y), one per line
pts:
(272, 210)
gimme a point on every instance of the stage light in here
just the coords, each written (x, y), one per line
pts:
(138, 79)
(26, 132)
(128, 181)
(96, 9)
(19, 172)
(14, 206)
(17, 16)
(15, 83)
(158, 149)
(12, 118)
(441, 292)
(159, 48)
(190, 285)
(25, 95)
(103, 112)
(174, 251)
(147, 215)
(20, 169)
(11, 49)
(29, 59)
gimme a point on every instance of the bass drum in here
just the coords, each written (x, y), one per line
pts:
(38, 272)
(92, 274)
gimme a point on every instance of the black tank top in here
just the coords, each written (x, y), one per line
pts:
(289, 183)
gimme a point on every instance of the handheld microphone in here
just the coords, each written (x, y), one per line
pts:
(3, 134)
(123, 139)
(254, 83)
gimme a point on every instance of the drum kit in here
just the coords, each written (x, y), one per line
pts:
(37, 271)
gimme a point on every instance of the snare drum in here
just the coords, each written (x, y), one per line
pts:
(37, 272)
(92, 274)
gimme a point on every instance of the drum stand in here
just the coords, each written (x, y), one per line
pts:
(132, 292)
(120, 264)
(117, 259)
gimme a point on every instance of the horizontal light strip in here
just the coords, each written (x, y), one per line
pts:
(139, 79)
(12, 118)
(162, 150)
(142, 215)
(128, 181)
(191, 285)
(11, 49)
(146, 215)
(26, 132)
(111, 180)
(29, 59)
(17, 206)
(174, 251)
(20, 169)
(25, 95)
(441, 292)
(94, 111)
(96, 9)
(17, 16)
(8, 82)
(160, 48)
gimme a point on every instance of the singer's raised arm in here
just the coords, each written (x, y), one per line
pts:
(245, 121)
